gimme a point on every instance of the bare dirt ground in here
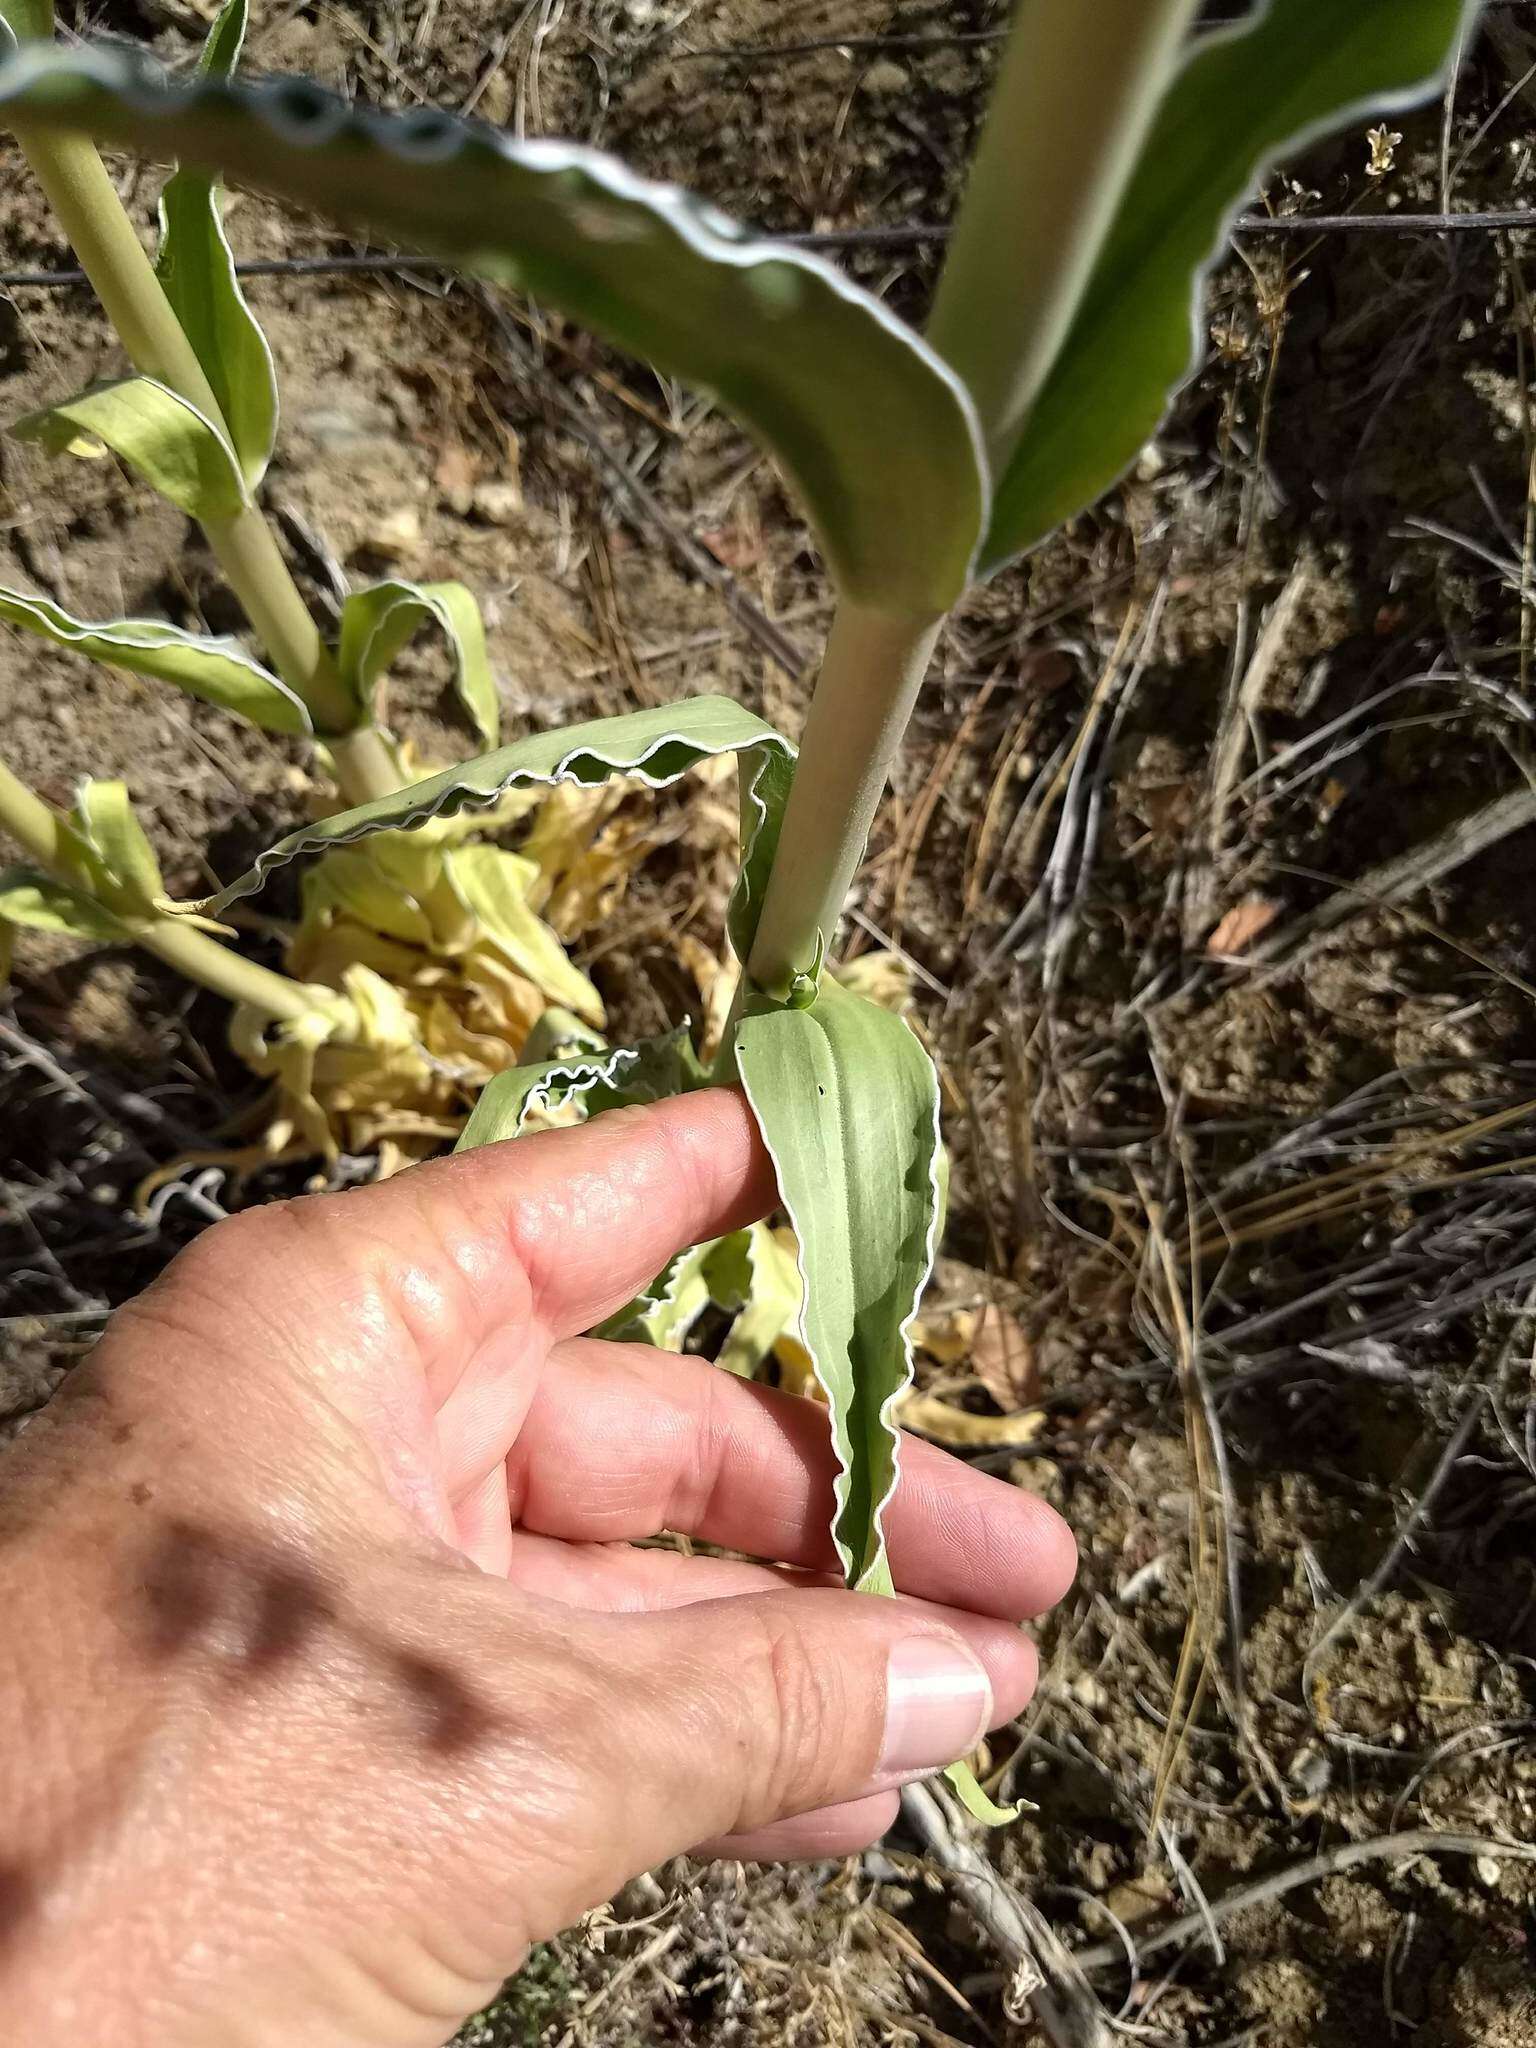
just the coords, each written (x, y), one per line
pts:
(1211, 856)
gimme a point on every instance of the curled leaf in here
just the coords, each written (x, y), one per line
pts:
(756, 1277)
(847, 1102)
(493, 886)
(29, 897)
(376, 624)
(978, 1802)
(584, 847)
(663, 1067)
(506, 1103)
(959, 1429)
(159, 435)
(872, 427)
(656, 746)
(107, 822)
(560, 1033)
(351, 885)
(196, 268)
(665, 1314)
(218, 671)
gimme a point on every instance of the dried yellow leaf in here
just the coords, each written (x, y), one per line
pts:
(961, 1430)
(1241, 926)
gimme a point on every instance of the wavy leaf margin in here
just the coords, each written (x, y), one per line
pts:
(873, 427)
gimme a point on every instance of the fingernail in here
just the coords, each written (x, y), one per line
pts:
(938, 1702)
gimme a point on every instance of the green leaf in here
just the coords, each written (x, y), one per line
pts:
(871, 426)
(751, 1274)
(163, 439)
(1243, 97)
(353, 886)
(218, 671)
(663, 1067)
(979, 1803)
(27, 20)
(847, 1102)
(560, 1034)
(105, 815)
(29, 897)
(377, 622)
(492, 884)
(196, 267)
(224, 42)
(506, 1103)
(657, 746)
(663, 1316)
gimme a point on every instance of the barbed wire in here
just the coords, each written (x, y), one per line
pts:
(365, 263)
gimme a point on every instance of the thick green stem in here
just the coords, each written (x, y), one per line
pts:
(1079, 87)
(41, 831)
(366, 767)
(85, 200)
(869, 681)
(201, 958)
(1071, 111)
(50, 841)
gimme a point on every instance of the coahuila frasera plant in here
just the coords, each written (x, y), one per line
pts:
(421, 965)
(1109, 164)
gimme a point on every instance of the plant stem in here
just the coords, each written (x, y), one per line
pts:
(48, 839)
(869, 681)
(365, 765)
(84, 200)
(1078, 90)
(1071, 110)
(200, 957)
(83, 197)
(28, 819)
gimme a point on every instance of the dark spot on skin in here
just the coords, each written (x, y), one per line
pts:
(18, 1900)
(140, 1494)
(452, 1718)
(123, 1434)
(180, 1589)
(289, 1608)
(251, 1608)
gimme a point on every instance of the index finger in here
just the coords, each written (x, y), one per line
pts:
(592, 1215)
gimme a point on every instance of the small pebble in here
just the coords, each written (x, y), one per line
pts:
(885, 77)
(498, 504)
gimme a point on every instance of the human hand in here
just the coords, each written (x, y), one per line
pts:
(334, 1678)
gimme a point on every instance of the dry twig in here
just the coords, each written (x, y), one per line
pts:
(1047, 1975)
(1382, 886)
(1412, 1842)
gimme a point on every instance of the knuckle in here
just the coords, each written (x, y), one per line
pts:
(231, 1247)
(229, 1267)
(797, 1689)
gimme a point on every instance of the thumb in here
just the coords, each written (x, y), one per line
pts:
(719, 1719)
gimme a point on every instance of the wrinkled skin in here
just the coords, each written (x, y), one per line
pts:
(333, 1676)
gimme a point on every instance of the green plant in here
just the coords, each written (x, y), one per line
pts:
(530, 2005)
(417, 969)
(1109, 166)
